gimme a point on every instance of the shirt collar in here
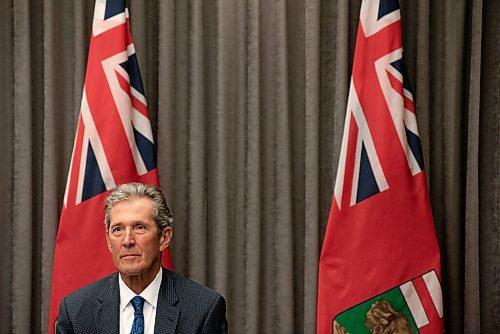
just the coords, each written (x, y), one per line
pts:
(150, 294)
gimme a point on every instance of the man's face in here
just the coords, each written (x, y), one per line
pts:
(133, 238)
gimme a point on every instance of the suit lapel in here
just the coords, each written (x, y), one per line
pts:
(107, 314)
(167, 314)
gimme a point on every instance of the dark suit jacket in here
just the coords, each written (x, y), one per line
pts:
(183, 307)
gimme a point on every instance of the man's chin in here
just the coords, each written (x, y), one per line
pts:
(124, 271)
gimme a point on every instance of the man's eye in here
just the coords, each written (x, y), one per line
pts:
(141, 228)
(116, 229)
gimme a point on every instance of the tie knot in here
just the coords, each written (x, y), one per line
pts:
(137, 303)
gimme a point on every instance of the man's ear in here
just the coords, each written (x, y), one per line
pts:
(165, 238)
(108, 241)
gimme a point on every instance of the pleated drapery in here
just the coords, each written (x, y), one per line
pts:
(247, 101)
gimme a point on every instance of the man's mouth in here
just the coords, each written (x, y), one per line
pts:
(128, 256)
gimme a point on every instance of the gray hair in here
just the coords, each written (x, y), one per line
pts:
(161, 212)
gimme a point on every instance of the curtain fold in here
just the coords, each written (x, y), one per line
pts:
(472, 304)
(311, 87)
(247, 101)
(488, 169)
(6, 163)
(25, 98)
(251, 212)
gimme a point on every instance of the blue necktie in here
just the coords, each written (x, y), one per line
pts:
(138, 324)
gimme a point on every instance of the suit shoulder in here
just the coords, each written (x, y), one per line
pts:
(189, 289)
(91, 290)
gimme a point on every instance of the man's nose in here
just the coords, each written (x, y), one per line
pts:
(128, 238)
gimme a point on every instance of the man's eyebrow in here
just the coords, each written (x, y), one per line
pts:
(132, 222)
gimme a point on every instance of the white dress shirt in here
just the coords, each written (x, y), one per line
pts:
(150, 295)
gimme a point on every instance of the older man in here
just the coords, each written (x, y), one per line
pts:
(142, 297)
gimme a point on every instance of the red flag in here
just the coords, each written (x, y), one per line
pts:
(380, 263)
(113, 145)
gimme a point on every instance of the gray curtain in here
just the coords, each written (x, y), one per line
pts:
(247, 99)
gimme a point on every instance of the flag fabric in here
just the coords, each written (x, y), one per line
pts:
(380, 256)
(113, 145)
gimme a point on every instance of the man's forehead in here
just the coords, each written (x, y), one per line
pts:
(136, 206)
(133, 201)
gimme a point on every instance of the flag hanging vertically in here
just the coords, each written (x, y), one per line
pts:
(113, 145)
(380, 266)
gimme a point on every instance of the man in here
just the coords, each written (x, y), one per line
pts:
(142, 297)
